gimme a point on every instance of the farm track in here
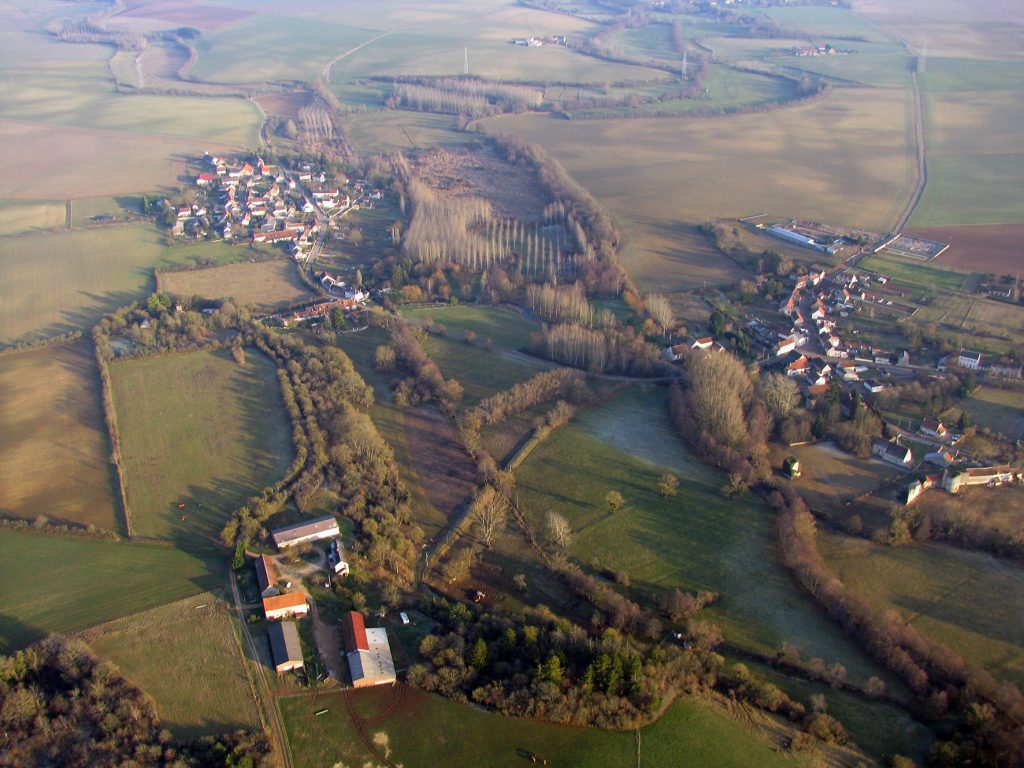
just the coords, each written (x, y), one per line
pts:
(922, 164)
(326, 76)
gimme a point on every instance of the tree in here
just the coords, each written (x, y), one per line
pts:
(289, 129)
(490, 516)
(478, 654)
(559, 530)
(520, 581)
(660, 311)
(779, 393)
(613, 501)
(669, 485)
(238, 561)
(384, 358)
(356, 237)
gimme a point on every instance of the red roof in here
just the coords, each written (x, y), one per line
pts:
(285, 602)
(353, 632)
(206, 177)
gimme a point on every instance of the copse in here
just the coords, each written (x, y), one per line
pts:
(719, 388)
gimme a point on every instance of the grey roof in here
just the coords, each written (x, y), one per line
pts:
(284, 642)
(300, 530)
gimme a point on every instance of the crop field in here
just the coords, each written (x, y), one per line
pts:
(192, 640)
(200, 430)
(844, 158)
(67, 584)
(994, 248)
(25, 215)
(914, 271)
(427, 730)
(395, 131)
(264, 285)
(481, 372)
(59, 282)
(697, 540)
(504, 328)
(968, 600)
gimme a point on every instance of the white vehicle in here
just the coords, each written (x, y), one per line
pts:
(404, 617)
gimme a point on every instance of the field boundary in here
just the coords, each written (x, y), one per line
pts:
(113, 435)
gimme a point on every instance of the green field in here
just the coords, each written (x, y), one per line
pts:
(195, 640)
(481, 372)
(429, 731)
(504, 328)
(1001, 410)
(968, 600)
(197, 429)
(914, 271)
(58, 584)
(25, 215)
(56, 283)
(265, 285)
(394, 131)
(698, 540)
(50, 417)
(200, 254)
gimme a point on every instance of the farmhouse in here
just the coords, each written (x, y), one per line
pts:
(266, 577)
(285, 646)
(283, 606)
(892, 452)
(313, 530)
(955, 479)
(968, 359)
(367, 651)
(933, 428)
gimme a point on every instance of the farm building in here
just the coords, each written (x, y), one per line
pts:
(283, 606)
(968, 359)
(266, 577)
(892, 452)
(285, 646)
(313, 530)
(336, 557)
(955, 479)
(367, 651)
(933, 428)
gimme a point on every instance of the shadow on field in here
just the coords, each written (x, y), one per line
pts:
(16, 634)
(95, 305)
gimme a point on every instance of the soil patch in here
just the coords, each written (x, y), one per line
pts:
(446, 474)
(284, 104)
(981, 248)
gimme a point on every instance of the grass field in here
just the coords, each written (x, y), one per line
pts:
(504, 328)
(264, 285)
(914, 271)
(968, 600)
(698, 540)
(481, 372)
(55, 283)
(67, 584)
(1001, 410)
(394, 131)
(197, 429)
(50, 417)
(215, 253)
(25, 215)
(830, 477)
(428, 731)
(193, 639)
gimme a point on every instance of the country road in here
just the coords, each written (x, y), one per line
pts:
(922, 164)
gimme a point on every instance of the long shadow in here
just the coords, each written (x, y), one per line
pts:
(16, 634)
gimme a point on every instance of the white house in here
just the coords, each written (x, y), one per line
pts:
(892, 452)
(969, 359)
(313, 530)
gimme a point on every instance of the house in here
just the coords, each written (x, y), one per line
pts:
(283, 606)
(892, 452)
(336, 557)
(955, 479)
(266, 577)
(367, 651)
(873, 386)
(914, 491)
(939, 458)
(798, 367)
(285, 646)
(1005, 371)
(205, 179)
(784, 346)
(933, 428)
(312, 530)
(968, 359)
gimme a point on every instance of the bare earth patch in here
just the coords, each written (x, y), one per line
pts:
(445, 472)
(981, 248)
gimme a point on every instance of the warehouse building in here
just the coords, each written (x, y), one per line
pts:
(367, 651)
(312, 530)
(285, 646)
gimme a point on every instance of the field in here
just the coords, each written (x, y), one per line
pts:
(203, 254)
(200, 430)
(393, 131)
(843, 159)
(264, 285)
(914, 271)
(56, 283)
(67, 584)
(968, 600)
(50, 416)
(504, 328)
(698, 540)
(1001, 410)
(830, 476)
(25, 215)
(427, 730)
(995, 248)
(481, 372)
(194, 640)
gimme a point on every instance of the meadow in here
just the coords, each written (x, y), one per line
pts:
(193, 639)
(967, 600)
(504, 328)
(699, 540)
(830, 477)
(67, 584)
(25, 215)
(264, 285)
(1001, 410)
(913, 271)
(842, 159)
(200, 430)
(427, 730)
(209, 253)
(50, 416)
(60, 282)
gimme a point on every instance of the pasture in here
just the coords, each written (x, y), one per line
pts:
(263, 285)
(24, 215)
(427, 730)
(913, 271)
(830, 477)
(67, 584)
(968, 600)
(51, 416)
(200, 430)
(214, 253)
(504, 328)
(842, 159)
(1001, 410)
(698, 540)
(397, 131)
(193, 639)
(60, 282)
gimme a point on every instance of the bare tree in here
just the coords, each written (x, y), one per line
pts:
(559, 530)
(490, 516)
(779, 393)
(660, 310)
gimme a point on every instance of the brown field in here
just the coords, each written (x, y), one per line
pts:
(55, 451)
(284, 104)
(183, 12)
(444, 471)
(512, 191)
(265, 285)
(992, 248)
(830, 477)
